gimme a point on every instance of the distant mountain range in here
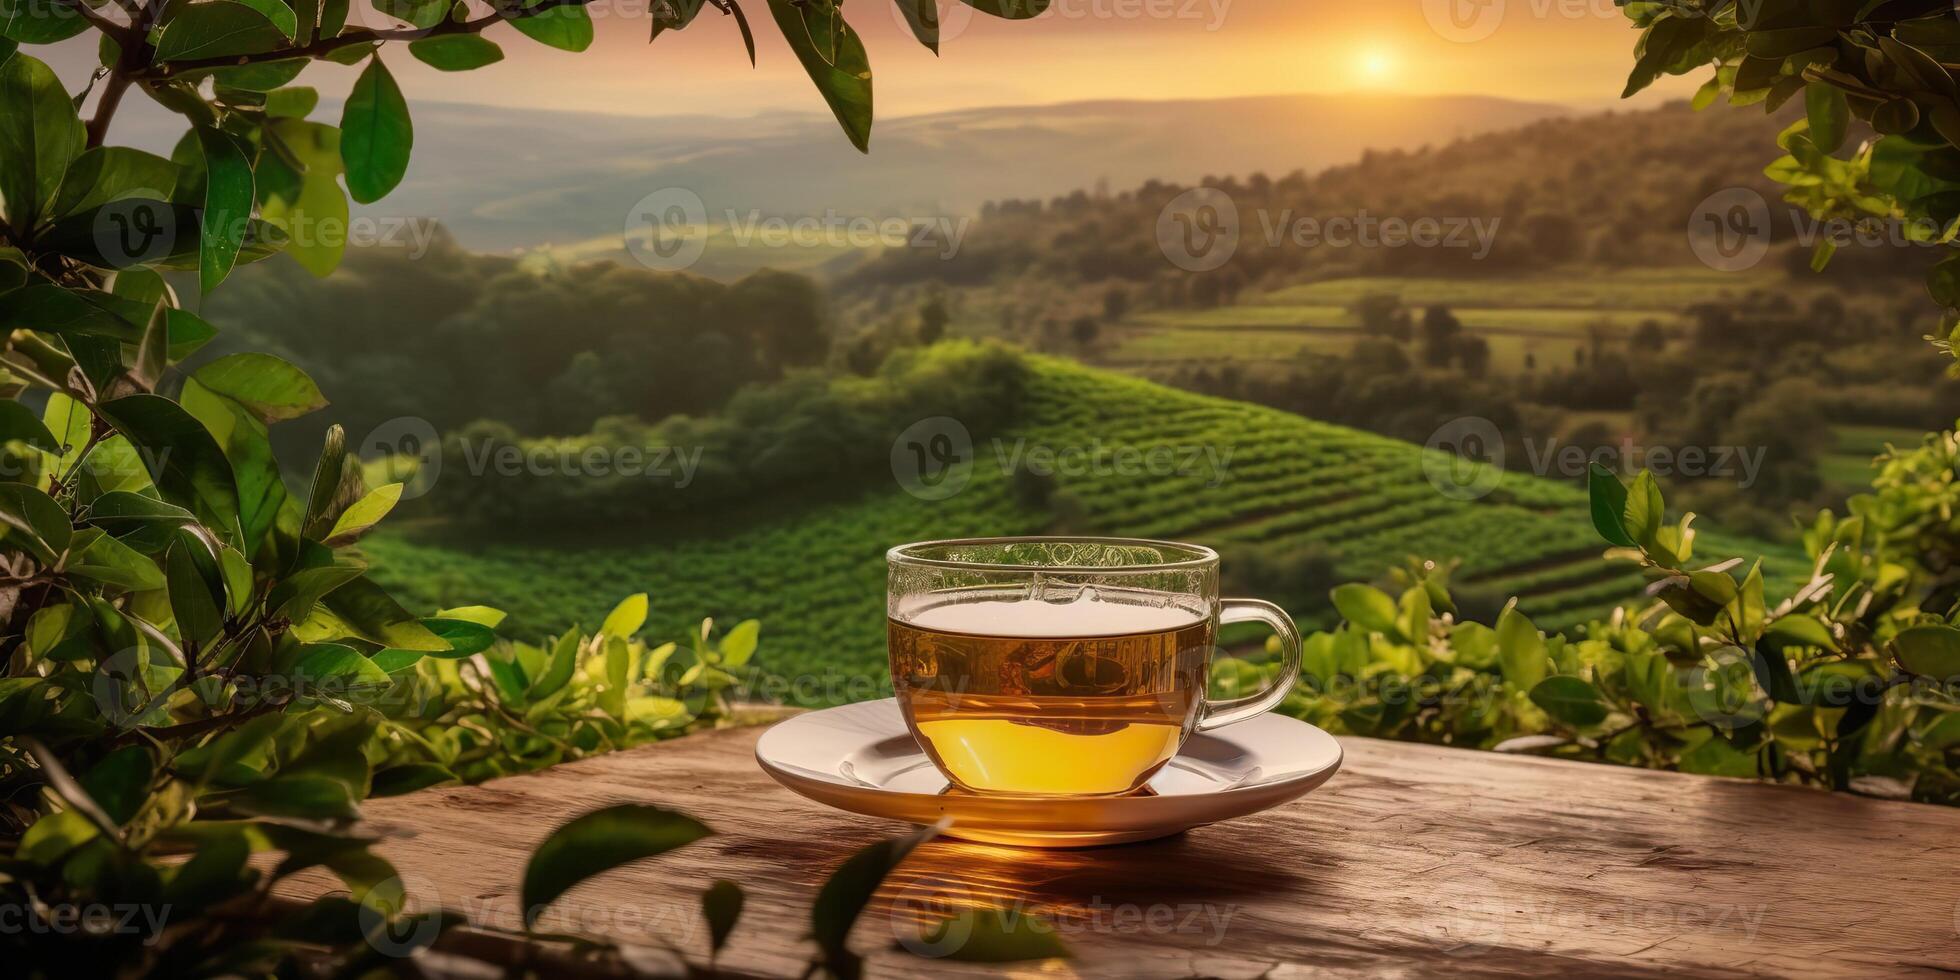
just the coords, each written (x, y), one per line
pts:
(504, 179)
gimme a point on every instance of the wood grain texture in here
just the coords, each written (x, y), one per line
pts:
(1414, 860)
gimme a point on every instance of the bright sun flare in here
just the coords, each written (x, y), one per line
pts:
(1375, 65)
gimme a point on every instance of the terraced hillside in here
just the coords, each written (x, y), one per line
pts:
(815, 574)
(1546, 315)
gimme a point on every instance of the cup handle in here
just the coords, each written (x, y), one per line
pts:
(1218, 714)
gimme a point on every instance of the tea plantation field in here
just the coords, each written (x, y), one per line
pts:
(1244, 475)
(1545, 317)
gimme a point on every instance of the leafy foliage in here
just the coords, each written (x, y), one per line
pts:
(198, 667)
(1885, 64)
(1852, 681)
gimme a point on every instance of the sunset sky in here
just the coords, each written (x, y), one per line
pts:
(1569, 51)
(1084, 49)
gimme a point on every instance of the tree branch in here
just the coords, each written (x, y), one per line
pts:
(105, 108)
(126, 36)
(326, 46)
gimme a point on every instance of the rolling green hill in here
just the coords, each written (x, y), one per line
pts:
(815, 573)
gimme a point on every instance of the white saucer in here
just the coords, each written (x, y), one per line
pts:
(861, 758)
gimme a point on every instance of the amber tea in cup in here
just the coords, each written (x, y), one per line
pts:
(1063, 666)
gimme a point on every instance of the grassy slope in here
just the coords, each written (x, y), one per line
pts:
(815, 574)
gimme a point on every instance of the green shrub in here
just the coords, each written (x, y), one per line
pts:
(1851, 682)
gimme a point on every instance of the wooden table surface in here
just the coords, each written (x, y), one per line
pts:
(1414, 860)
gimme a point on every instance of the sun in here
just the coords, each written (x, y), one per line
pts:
(1375, 65)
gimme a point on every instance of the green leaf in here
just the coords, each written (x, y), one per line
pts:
(740, 643)
(262, 77)
(334, 666)
(271, 387)
(40, 135)
(141, 522)
(721, 906)
(619, 665)
(1645, 512)
(1609, 506)
(222, 28)
(301, 797)
(1800, 630)
(19, 424)
(565, 27)
(834, 57)
(296, 595)
(995, 935)
(922, 16)
(1571, 700)
(480, 615)
(185, 461)
(1366, 606)
(216, 872)
(105, 559)
(323, 504)
(1716, 757)
(1009, 9)
(627, 617)
(104, 174)
(456, 52)
(848, 889)
(1521, 652)
(73, 312)
(120, 782)
(1929, 651)
(247, 444)
(396, 661)
(597, 842)
(1829, 114)
(227, 204)
(558, 670)
(363, 515)
(319, 203)
(465, 638)
(1895, 116)
(403, 779)
(363, 609)
(296, 102)
(39, 21)
(375, 133)
(54, 836)
(191, 595)
(42, 525)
